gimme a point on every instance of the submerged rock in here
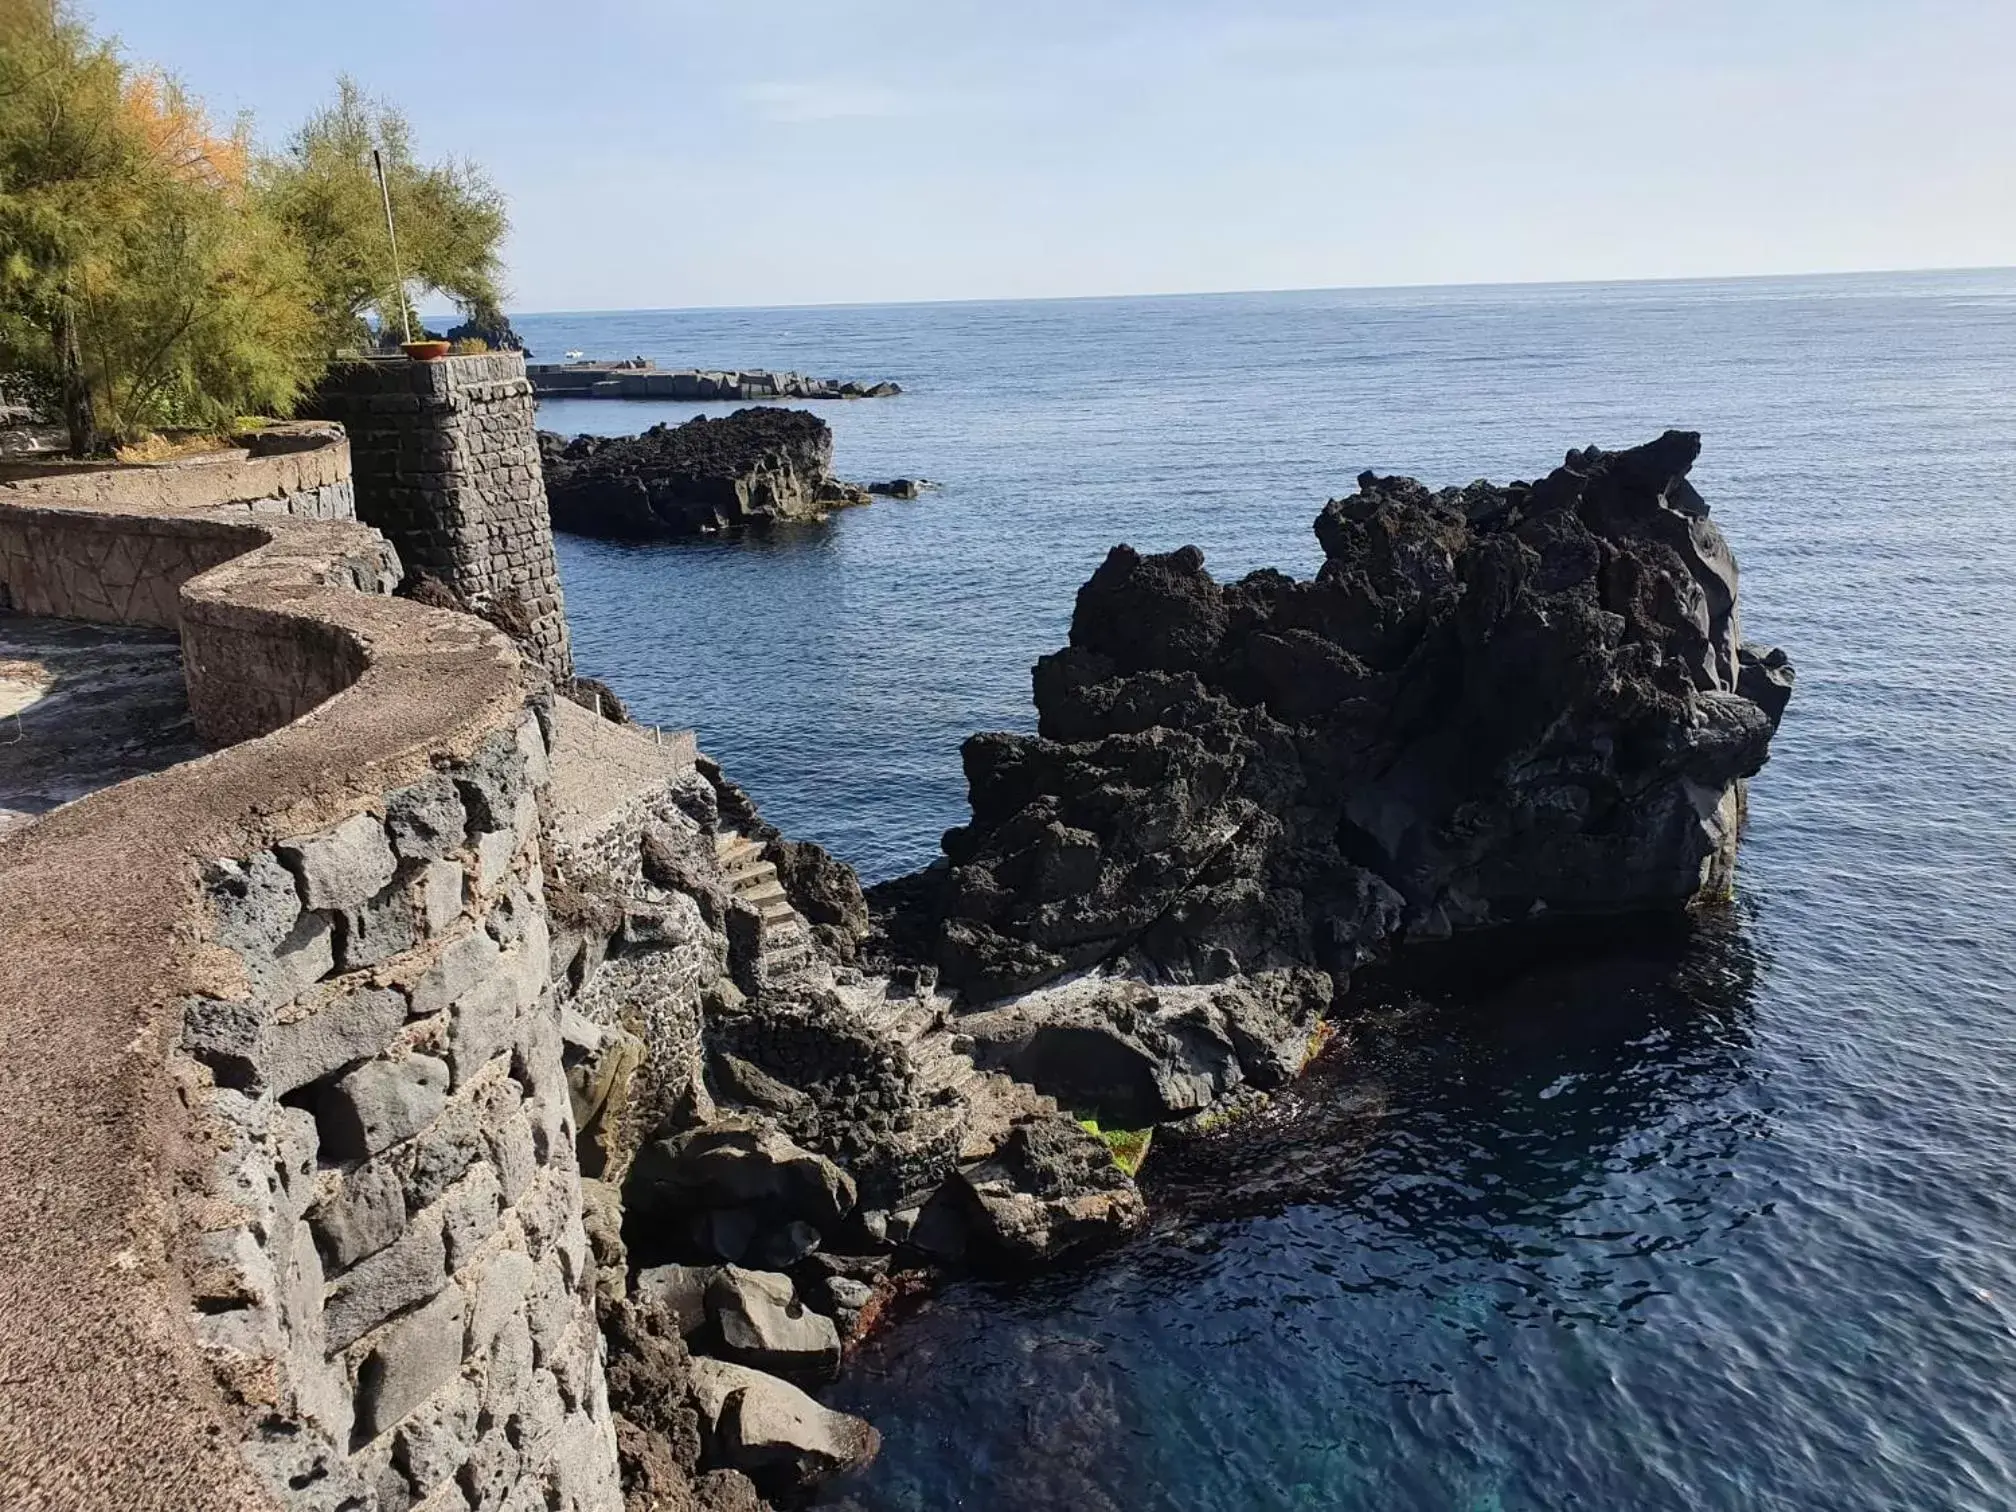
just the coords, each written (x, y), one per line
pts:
(756, 467)
(1491, 705)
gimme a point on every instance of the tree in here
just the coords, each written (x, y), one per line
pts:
(67, 171)
(143, 283)
(451, 219)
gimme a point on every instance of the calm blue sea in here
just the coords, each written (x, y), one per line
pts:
(1730, 1229)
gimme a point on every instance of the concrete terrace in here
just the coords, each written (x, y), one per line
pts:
(83, 707)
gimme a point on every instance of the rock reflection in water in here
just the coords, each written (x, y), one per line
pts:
(1336, 1290)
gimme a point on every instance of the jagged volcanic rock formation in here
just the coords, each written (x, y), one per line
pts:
(1491, 705)
(759, 466)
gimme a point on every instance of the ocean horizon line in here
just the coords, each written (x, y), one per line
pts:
(1538, 284)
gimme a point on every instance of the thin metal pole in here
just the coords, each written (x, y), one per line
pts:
(392, 235)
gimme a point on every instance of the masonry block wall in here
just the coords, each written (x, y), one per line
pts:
(388, 1264)
(446, 459)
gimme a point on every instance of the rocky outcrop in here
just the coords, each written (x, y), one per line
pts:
(756, 467)
(1492, 705)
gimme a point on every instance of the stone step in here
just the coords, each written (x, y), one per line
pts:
(906, 1020)
(747, 872)
(768, 891)
(787, 959)
(731, 849)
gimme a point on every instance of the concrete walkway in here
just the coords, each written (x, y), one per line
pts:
(84, 706)
(600, 767)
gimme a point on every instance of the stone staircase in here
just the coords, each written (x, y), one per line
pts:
(981, 1105)
(961, 1106)
(788, 956)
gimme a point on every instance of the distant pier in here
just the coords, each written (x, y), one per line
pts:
(638, 379)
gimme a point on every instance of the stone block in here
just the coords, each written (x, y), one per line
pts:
(500, 1296)
(460, 1137)
(437, 893)
(379, 1104)
(427, 820)
(433, 1442)
(463, 964)
(493, 1469)
(763, 1323)
(409, 1361)
(343, 867)
(303, 958)
(492, 781)
(469, 1214)
(253, 904)
(306, 1472)
(484, 1023)
(378, 930)
(495, 851)
(247, 1047)
(409, 1271)
(363, 1215)
(513, 1153)
(681, 1290)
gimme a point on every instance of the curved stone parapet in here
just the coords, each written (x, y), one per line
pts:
(288, 1208)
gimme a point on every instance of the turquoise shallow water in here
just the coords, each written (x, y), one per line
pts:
(1724, 1226)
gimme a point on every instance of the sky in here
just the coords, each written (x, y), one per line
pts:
(667, 154)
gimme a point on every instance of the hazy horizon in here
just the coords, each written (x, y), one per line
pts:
(438, 313)
(665, 155)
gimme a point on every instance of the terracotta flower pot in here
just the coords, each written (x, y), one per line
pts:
(425, 351)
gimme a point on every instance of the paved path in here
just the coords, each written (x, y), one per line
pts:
(598, 767)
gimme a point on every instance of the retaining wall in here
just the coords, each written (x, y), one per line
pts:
(288, 1206)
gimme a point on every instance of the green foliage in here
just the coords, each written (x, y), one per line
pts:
(141, 285)
(450, 219)
(157, 272)
(1129, 1147)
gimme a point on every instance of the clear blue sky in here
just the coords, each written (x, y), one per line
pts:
(665, 153)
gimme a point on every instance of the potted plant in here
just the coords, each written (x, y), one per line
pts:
(425, 351)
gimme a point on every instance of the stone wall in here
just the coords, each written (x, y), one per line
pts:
(294, 1219)
(390, 1272)
(115, 544)
(447, 460)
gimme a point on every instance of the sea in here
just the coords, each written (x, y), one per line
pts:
(1719, 1221)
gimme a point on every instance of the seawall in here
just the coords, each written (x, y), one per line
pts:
(290, 1215)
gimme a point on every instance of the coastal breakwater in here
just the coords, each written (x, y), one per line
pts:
(639, 379)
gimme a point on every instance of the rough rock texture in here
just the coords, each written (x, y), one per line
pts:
(1132, 1054)
(755, 467)
(786, 1442)
(387, 1259)
(1492, 704)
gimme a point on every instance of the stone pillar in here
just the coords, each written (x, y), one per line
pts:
(446, 460)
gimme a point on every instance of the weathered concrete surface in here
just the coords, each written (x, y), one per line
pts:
(83, 707)
(600, 768)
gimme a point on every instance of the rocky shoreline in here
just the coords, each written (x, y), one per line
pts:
(752, 469)
(1492, 708)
